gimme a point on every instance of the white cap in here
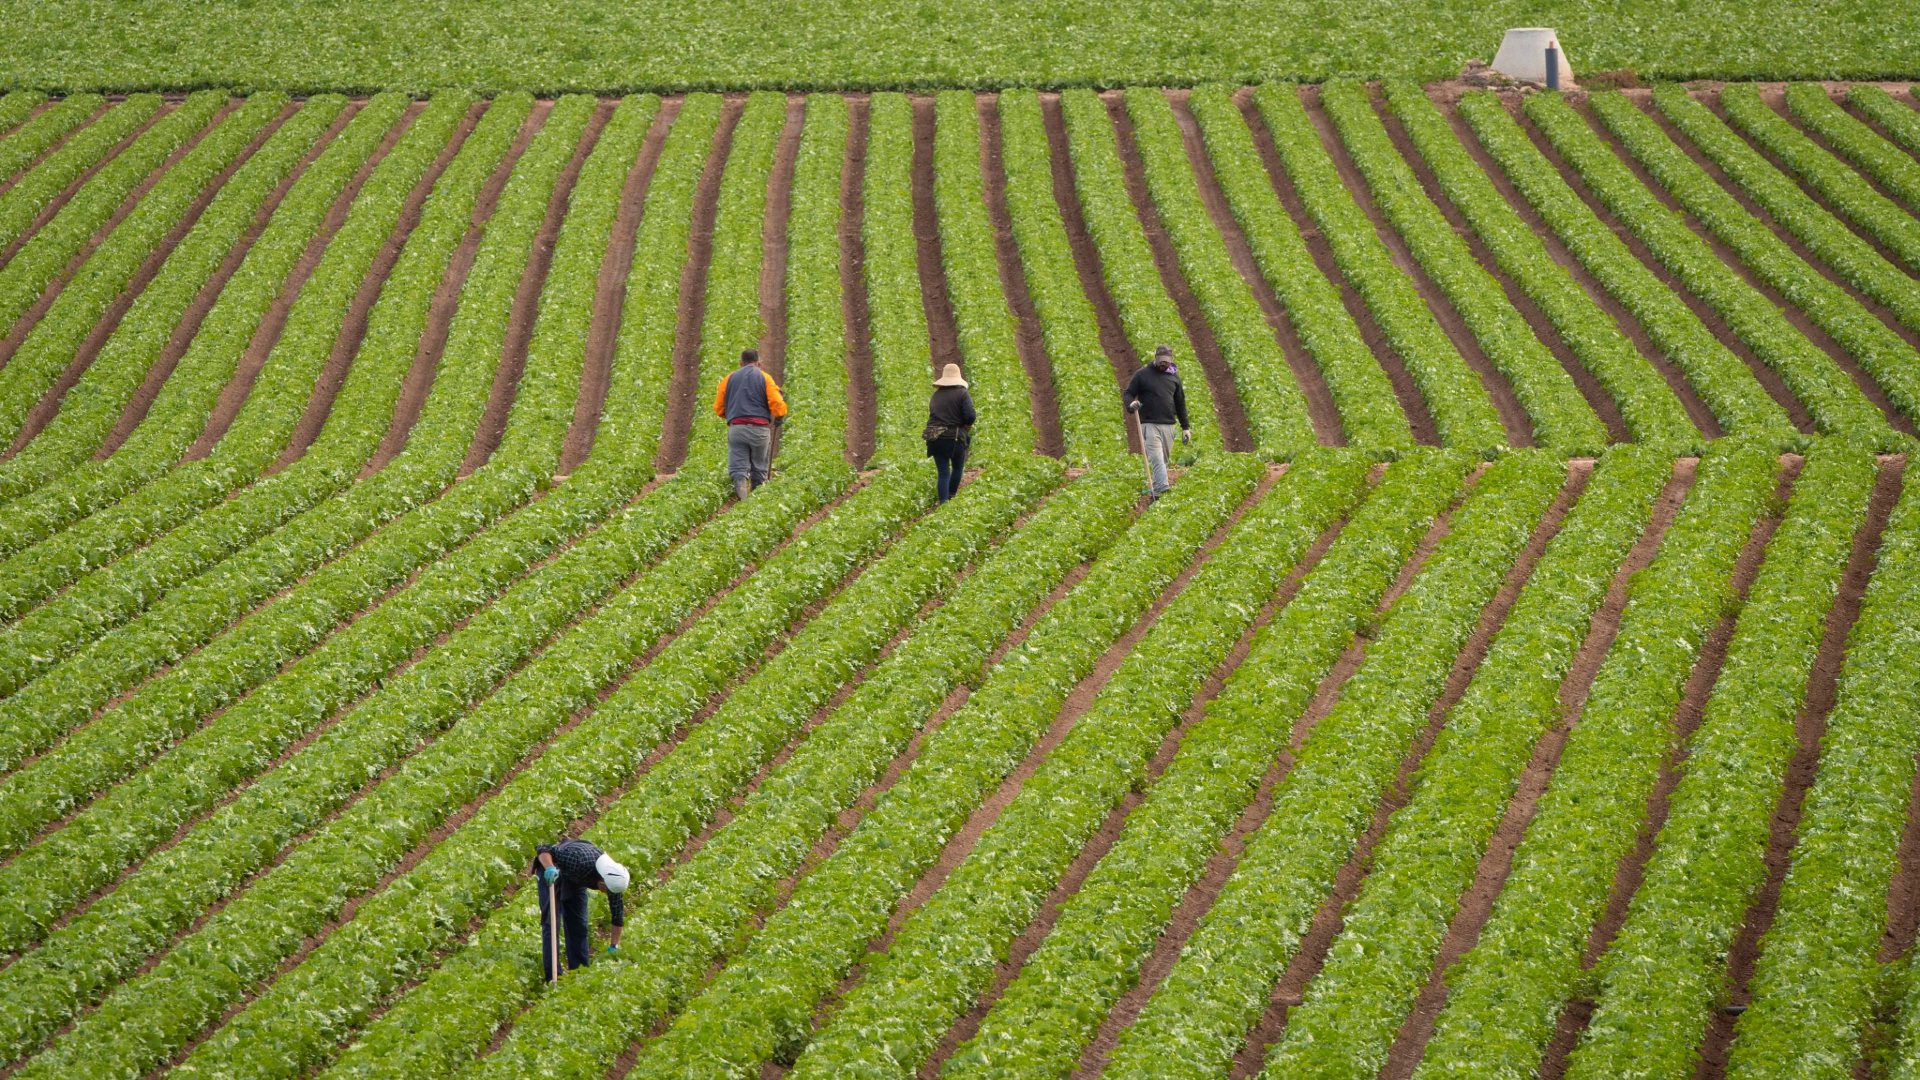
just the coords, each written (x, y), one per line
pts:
(615, 875)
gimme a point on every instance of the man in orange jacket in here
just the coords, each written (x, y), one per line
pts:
(749, 401)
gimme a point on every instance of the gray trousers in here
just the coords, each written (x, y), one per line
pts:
(749, 450)
(1156, 440)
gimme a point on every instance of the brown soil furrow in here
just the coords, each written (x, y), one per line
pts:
(51, 291)
(1595, 394)
(773, 246)
(59, 202)
(1200, 895)
(1419, 417)
(610, 293)
(189, 325)
(1115, 824)
(943, 334)
(1513, 417)
(1231, 412)
(1811, 726)
(353, 327)
(526, 300)
(1573, 689)
(1697, 411)
(267, 333)
(446, 298)
(7, 182)
(1042, 397)
(1800, 319)
(861, 396)
(1086, 257)
(1768, 378)
(49, 404)
(683, 388)
(1306, 373)
(1774, 95)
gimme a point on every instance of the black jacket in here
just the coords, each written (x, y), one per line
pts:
(1162, 399)
(951, 408)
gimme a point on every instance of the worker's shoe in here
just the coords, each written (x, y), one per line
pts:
(742, 488)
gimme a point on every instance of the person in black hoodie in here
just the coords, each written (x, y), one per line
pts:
(1155, 395)
(949, 430)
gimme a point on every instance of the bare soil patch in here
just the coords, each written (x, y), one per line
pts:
(683, 389)
(1043, 398)
(861, 395)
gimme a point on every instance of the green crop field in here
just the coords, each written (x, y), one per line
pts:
(1518, 680)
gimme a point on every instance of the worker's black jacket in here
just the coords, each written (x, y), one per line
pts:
(576, 859)
(1162, 399)
(950, 414)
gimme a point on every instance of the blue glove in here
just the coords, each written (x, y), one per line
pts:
(550, 874)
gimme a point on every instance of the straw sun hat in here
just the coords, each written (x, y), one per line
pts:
(950, 376)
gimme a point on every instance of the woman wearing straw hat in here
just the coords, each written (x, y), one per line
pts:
(950, 419)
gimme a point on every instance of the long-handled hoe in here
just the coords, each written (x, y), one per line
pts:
(1140, 434)
(553, 931)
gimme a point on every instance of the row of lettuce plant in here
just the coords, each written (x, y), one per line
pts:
(170, 630)
(1356, 1004)
(902, 353)
(807, 946)
(109, 596)
(691, 918)
(1894, 118)
(15, 108)
(93, 146)
(1083, 378)
(1369, 413)
(1197, 1019)
(945, 954)
(249, 734)
(32, 134)
(1849, 193)
(1148, 316)
(246, 941)
(1562, 419)
(1461, 408)
(181, 412)
(1095, 952)
(1889, 165)
(1836, 405)
(1653, 415)
(89, 410)
(108, 270)
(983, 321)
(816, 341)
(1276, 409)
(1660, 976)
(1729, 389)
(1886, 356)
(1817, 980)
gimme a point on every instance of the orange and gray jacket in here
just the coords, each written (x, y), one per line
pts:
(748, 395)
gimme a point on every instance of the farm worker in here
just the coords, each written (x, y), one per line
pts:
(565, 871)
(749, 401)
(949, 430)
(1156, 398)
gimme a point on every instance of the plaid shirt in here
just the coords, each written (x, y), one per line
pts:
(576, 859)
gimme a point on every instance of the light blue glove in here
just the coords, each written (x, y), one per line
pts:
(550, 874)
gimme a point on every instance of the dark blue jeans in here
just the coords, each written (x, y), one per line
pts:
(949, 461)
(573, 920)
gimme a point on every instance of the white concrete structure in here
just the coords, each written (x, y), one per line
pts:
(1523, 55)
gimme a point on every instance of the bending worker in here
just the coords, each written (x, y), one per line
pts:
(749, 401)
(1155, 396)
(566, 871)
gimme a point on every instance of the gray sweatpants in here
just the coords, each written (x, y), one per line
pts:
(749, 447)
(1157, 441)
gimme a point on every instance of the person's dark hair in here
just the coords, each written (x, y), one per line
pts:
(749, 356)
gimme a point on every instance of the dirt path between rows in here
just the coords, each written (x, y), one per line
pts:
(1321, 409)
(526, 299)
(267, 332)
(774, 239)
(1086, 257)
(1543, 328)
(1716, 326)
(1703, 419)
(1405, 391)
(1810, 725)
(683, 387)
(942, 330)
(1513, 417)
(610, 293)
(59, 202)
(49, 405)
(1230, 411)
(1043, 399)
(861, 395)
